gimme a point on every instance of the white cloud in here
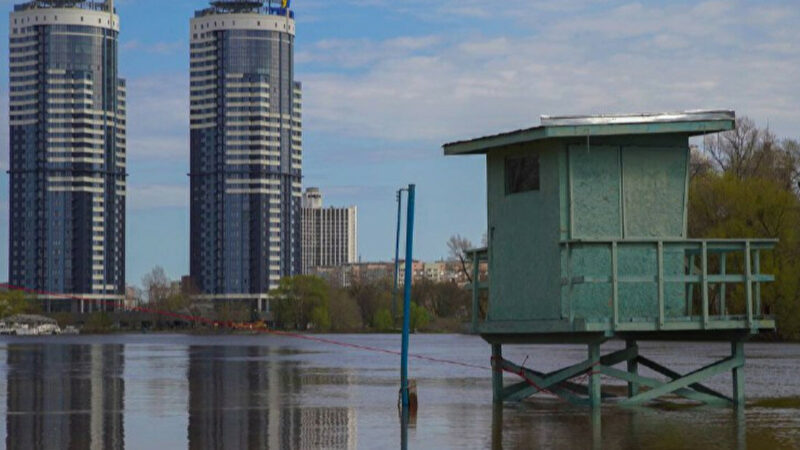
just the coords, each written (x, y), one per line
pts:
(455, 10)
(621, 59)
(158, 117)
(359, 53)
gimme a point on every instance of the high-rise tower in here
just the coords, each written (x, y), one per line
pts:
(330, 235)
(67, 133)
(246, 150)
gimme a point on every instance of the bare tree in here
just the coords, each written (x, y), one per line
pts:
(457, 247)
(156, 284)
(791, 149)
(735, 151)
(700, 164)
(748, 151)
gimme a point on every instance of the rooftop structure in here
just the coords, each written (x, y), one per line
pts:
(588, 242)
(271, 7)
(312, 198)
(99, 5)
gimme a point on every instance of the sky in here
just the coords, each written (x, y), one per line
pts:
(387, 82)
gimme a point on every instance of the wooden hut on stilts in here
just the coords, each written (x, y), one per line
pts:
(587, 242)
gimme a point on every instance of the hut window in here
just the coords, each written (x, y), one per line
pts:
(522, 174)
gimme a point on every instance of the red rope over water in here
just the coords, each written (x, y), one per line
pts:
(234, 326)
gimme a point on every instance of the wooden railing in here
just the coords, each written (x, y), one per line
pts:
(477, 256)
(695, 274)
(691, 250)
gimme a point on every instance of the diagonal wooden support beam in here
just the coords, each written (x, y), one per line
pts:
(620, 356)
(536, 385)
(686, 380)
(548, 380)
(649, 363)
(557, 381)
(653, 383)
(530, 390)
(567, 373)
(580, 389)
(513, 390)
(581, 368)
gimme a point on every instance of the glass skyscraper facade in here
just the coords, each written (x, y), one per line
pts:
(246, 151)
(67, 154)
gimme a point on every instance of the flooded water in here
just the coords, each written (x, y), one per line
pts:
(251, 392)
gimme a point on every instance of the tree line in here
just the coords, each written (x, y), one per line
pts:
(308, 302)
(745, 183)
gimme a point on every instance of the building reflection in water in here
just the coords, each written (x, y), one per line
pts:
(249, 397)
(65, 396)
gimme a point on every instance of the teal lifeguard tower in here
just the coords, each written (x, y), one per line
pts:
(588, 242)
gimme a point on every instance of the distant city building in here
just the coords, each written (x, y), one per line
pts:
(68, 156)
(346, 275)
(330, 235)
(246, 151)
(417, 270)
(436, 271)
(133, 297)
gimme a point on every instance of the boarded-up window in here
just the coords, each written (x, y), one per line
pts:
(595, 191)
(522, 174)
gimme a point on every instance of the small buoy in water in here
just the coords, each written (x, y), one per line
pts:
(412, 398)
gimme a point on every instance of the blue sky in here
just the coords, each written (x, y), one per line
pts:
(386, 82)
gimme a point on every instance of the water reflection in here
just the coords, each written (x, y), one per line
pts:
(522, 425)
(247, 397)
(241, 392)
(65, 397)
(554, 424)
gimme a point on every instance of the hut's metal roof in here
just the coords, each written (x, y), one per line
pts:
(691, 123)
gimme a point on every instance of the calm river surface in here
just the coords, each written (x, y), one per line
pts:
(250, 392)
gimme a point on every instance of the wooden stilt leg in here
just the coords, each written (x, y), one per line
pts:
(737, 353)
(595, 395)
(633, 369)
(741, 429)
(497, 372)
(497, 426)
(597, 429)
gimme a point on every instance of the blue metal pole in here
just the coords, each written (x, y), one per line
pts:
(397, 253)
(407, 293)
